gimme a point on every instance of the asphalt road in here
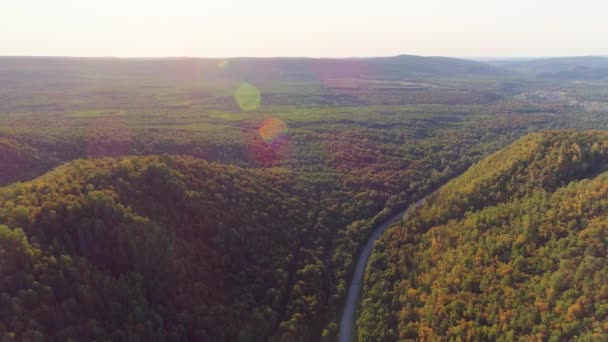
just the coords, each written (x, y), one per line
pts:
(349, 316)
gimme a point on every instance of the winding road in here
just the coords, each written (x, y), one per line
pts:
(347, 325)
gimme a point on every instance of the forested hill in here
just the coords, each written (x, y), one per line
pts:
(515, 248)
(161, 248)
(585, 68)
(23, 70)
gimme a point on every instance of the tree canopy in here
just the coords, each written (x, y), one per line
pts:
(514, 249)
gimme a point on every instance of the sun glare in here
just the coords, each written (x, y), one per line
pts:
(248, 97)
(271, 129)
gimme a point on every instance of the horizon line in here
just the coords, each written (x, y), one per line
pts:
(476, 58)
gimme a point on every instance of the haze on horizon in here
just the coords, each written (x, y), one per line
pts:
(315, 28)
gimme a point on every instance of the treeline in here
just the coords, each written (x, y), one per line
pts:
(514, 249)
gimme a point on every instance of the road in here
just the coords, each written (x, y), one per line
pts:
(347, 325)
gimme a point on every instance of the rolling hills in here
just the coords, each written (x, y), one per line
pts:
(193, 199)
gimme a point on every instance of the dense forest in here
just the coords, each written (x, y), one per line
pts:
(214, 223)
(228, 200)
(514, 249)
(160, 248)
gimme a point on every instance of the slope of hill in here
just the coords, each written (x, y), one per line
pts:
(161, 248)
(18, 161)
(515, 248)
(411, 66)
(565, 68)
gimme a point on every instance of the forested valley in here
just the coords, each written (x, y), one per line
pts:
(228, 200)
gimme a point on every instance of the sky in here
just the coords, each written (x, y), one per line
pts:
(303, 28)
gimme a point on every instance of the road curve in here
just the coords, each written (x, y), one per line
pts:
(347, 324)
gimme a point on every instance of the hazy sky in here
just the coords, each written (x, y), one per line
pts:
(333, 28)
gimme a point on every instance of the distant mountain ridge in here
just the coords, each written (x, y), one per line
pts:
(565, 68)
(304, 68)
(269, 69)
(402, 66)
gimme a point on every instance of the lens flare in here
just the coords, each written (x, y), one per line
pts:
(272, 129)
(248, 97)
